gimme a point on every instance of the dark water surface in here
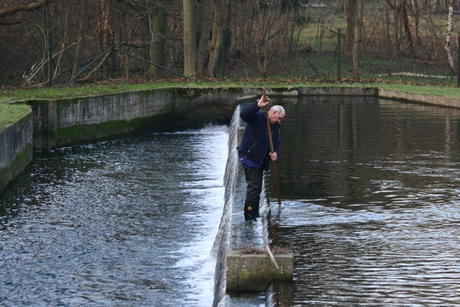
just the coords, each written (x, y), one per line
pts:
(373, 202)
(128, 222)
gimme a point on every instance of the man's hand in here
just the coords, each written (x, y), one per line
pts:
(263, 101)
(273, 156)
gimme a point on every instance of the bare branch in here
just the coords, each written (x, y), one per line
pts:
(25, 7)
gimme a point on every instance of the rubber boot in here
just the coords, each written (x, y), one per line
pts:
(249, 212)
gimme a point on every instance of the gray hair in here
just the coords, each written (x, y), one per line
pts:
(277, 109)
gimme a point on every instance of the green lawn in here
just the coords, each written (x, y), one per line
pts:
(10, 114)
(19, 95)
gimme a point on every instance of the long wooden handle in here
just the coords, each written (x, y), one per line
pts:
(272, 258)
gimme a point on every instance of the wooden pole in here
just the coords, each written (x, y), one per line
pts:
(272, 258)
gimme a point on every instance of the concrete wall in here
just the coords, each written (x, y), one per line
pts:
(69, 121)
(254, 272)
(15, 149)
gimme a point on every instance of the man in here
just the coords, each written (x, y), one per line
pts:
(254, 151)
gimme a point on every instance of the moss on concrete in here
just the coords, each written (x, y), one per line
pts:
(193, 93)
(16, 166)
(90, 133)
(253, 272)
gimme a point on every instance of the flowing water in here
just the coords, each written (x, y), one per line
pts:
(129, 222)
(372, 208)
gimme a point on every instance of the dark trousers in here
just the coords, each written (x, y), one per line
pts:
(254, 178)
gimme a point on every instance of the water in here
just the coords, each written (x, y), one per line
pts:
(372, 193)
(128, 222)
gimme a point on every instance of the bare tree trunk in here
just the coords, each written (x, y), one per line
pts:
(415, 22)
(450, 25)
(105, 26)
(387, 25)
(396, 7)
(204, 35)
(360, 20)
(405, 21)
(157, 28)
(351, 11)
(190, 39)
(355, 51)
(220, 10)
(81, 29)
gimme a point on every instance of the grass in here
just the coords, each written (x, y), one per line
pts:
(10, 114)
(18, 95)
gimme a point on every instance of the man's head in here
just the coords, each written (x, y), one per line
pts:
(276, 114)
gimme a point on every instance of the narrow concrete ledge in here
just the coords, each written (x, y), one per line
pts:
(254, 272)
(423, 98)
(338, 91)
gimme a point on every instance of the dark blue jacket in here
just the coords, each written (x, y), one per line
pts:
(255, 144)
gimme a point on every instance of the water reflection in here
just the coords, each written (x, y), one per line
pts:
(121, 223)
(372, 209)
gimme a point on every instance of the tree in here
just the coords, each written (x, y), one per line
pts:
(450, 25)
(396, 7)
(351, 46)
(83, 15)
(157, 21)
(220, 24)
(189, 38)
(405, 22)
(352, 14)
(106, 29)
(204, 35)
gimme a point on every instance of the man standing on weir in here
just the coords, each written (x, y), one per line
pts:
(254, 150)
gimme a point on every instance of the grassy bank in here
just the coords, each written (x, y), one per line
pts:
(19, 95)
(10, 114)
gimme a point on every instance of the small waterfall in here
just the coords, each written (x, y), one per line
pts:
(222, 242)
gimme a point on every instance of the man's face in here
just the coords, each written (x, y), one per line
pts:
(275, 117)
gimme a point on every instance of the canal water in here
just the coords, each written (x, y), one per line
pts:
(129, 222)
(371, 206)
